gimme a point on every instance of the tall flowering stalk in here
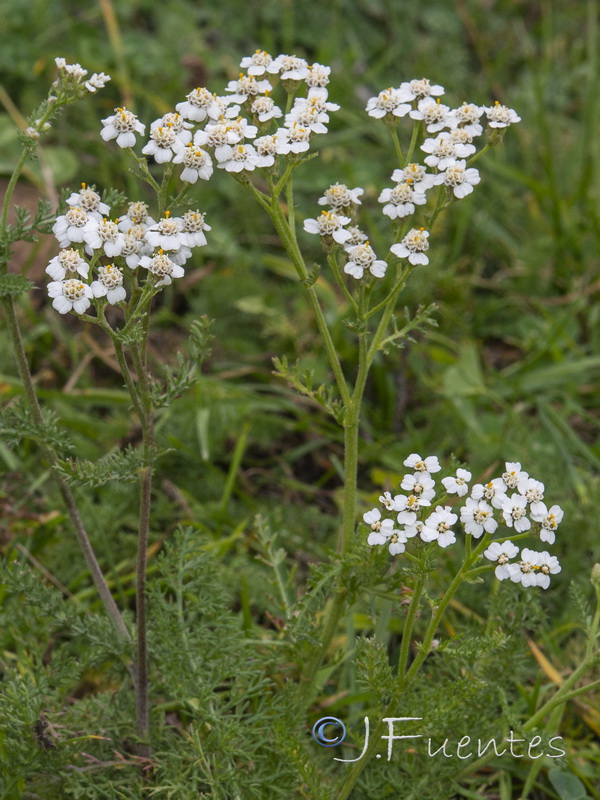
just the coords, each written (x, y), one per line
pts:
(242, 132)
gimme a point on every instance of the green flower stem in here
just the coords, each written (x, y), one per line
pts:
(163, 190)
(332, 261)
(458, 579)
(291, 247)
(397, 146)
(409, 624)
(562, 694)
(143, 167)
(276, 190)
(125, 372)
(289, 199)
(9, 193)
(413, 141)
(474, 158)
(147, 422)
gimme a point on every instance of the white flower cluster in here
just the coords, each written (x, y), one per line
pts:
(207, 128)
(514, 500)
(74, 75)
(91, 241)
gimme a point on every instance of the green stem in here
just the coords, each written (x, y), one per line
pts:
(413, 141)
(332, 261)
(397, 147)
(409, 624)
(291, 246)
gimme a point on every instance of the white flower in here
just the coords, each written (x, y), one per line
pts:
(443, 151)
(548, 565)
(525, 571)
(137, 214)
(74, 71)
(458, 484)
(109, 284)
(390, 101)
(429, 464)
(297, 137)
(533, 491)
(494, 492)
(238, 158)
(500, 116)
(413, 246)
(418, 89)
(257, 63)
(88, 200)
(435, 114)
(311, 112)
(164, 267)
(467, 118)
(329, 224)
(458, 178)
(400, 200)
(462, 137)
(356, 236)
(362, 257)
(70, 295)
(318, 78)
(501, 554)
(339, 196)
(397, 543)
(122, 126)
(97, 81)
(438, 527)
(165, 142)
(514, 509)
(387, 500)
(550, 520)
(67, 261)
(199, 104)
(381, 529)
(70, 227)
(166, 234)
(193, 229)
(264, 109)
(514, 476)
(106, 235)
(416, 175)
(477, 517)
(290, 68)
(220, 136)
(420, 484)
(197, 163)
(266, 150)
(408, 507)
(135, 245)
(246, 86)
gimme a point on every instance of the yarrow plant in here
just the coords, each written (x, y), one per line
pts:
(116, 255)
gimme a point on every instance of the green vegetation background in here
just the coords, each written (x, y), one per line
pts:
(511, 373)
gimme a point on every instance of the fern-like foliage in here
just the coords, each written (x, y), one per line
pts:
(17, 423)
(122, 466)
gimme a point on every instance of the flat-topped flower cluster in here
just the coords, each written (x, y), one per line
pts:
(512, 500)
(99, 255)
(207, 128)
(241, 131)
(445, 164)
